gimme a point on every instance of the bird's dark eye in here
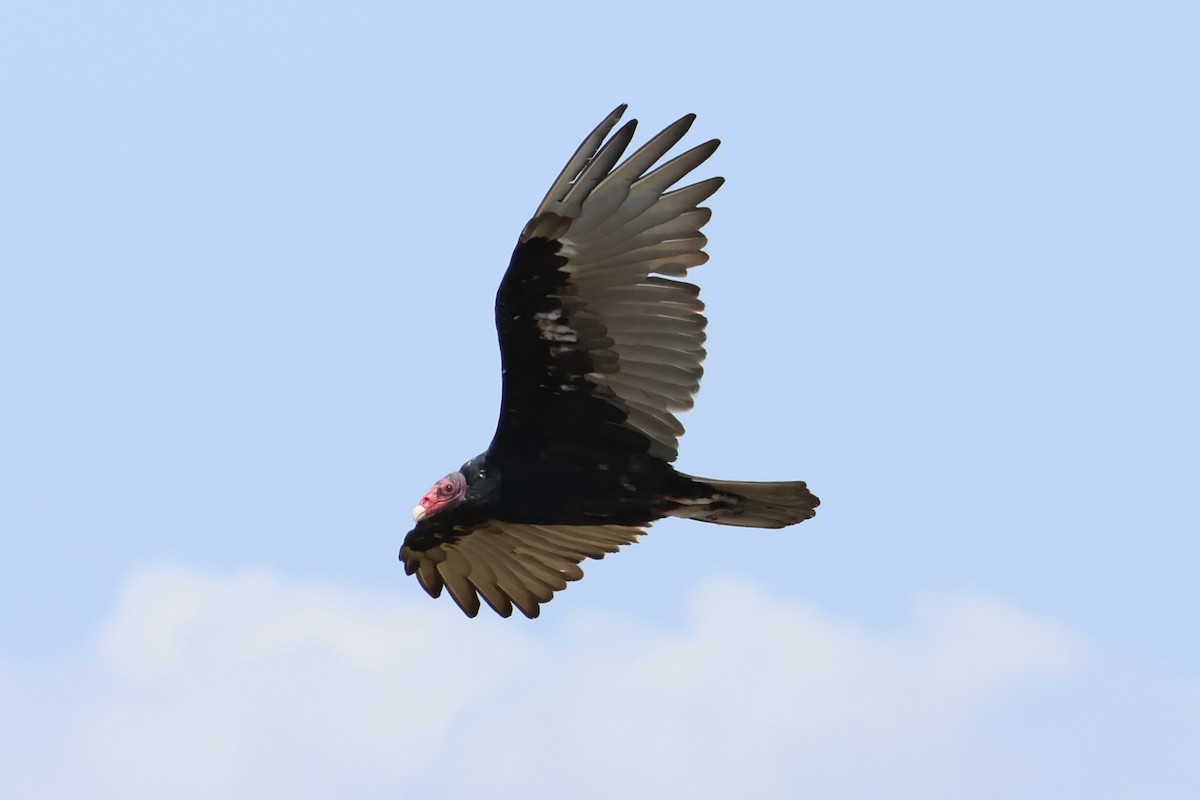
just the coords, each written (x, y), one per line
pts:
(443, 491)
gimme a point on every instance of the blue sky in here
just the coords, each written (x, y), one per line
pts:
(246, 273)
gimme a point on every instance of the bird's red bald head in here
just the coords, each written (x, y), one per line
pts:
(446, 493)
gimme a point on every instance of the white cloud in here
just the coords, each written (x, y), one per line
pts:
(255, 685)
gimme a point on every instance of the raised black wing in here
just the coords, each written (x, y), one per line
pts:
(507, 564)
(599, 342)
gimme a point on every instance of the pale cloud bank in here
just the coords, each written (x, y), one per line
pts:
(262, 686)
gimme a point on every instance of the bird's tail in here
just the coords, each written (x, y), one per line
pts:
(749, 504)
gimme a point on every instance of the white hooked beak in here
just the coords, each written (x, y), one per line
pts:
(418, 513)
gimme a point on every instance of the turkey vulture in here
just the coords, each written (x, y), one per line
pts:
(601, 343)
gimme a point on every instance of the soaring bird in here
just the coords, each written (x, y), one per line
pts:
(601, 344)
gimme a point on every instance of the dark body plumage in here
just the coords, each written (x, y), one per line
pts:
(601, 345)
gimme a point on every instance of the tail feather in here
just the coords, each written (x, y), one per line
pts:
(751, 504)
